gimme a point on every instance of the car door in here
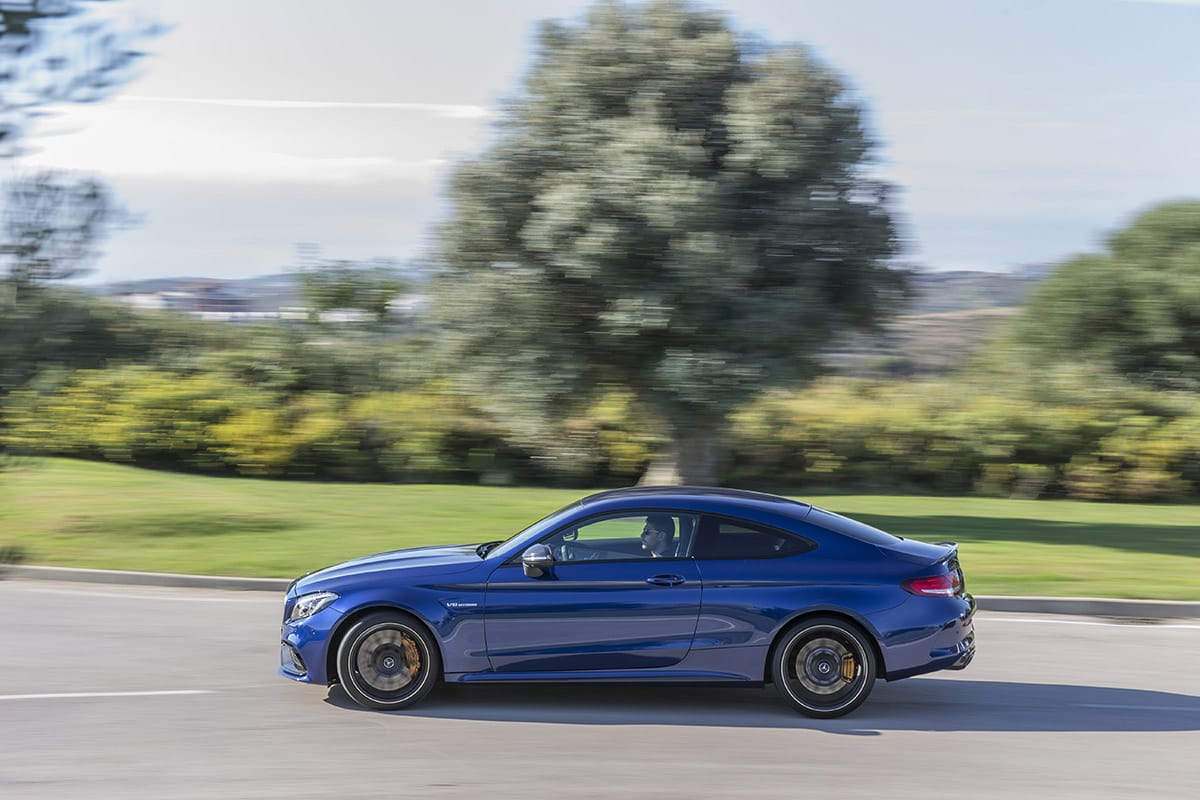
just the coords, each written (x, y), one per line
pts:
(753, 575)
(605, 604)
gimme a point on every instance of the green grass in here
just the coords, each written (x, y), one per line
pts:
(74, 513)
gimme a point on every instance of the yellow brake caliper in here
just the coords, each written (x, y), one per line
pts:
(849, 667)
(413, 656)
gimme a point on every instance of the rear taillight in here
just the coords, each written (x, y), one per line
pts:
(947, 585)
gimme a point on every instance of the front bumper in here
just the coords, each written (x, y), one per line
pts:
(291, 663)
(303, 649)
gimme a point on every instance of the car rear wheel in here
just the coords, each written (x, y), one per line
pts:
(824, 667)
(387, 661)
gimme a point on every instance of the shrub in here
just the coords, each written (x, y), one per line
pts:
(1092, 443)
(12, 554)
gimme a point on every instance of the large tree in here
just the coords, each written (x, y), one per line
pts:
(1134, 307)
(669, 208)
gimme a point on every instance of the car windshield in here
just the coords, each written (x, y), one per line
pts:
(541, 526)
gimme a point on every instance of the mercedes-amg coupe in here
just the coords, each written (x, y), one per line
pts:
(645, 585)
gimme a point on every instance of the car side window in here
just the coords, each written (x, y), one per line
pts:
(720, 538)
(626, 536)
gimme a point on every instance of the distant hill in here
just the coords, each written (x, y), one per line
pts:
(938, 292)
(919, 344)
(263, 293)
(951, 315)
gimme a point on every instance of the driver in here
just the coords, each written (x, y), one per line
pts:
(658, 536)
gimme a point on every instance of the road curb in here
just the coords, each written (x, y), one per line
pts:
(129, 578)
(1077, 606)
(1093, 607)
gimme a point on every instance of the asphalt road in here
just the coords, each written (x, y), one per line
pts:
(129, 692)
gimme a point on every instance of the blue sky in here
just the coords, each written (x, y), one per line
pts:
(1018, 132)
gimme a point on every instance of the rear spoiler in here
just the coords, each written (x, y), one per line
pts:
(952, 553)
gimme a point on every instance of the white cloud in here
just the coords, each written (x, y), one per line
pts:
(218, 141)
(452, 111)
(245, 166)
(288, 168)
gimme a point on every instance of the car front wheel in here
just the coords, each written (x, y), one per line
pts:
(824, 667)
(387, 661)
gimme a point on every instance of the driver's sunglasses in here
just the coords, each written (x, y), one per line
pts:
(649, 531)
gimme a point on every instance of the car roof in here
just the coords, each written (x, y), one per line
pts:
(697, 496)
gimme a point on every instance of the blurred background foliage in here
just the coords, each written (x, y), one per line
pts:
(1135, 307)
(643, 278)
(1088, 435)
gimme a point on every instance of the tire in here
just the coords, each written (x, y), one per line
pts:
(824, 667)
(375, 661)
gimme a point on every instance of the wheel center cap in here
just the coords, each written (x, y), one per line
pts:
(389, 663)
(824, 668)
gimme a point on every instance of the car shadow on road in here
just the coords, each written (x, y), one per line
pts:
(917, 704)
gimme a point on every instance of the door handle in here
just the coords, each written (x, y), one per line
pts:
(665, 580)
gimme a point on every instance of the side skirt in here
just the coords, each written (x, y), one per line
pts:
(603, 676)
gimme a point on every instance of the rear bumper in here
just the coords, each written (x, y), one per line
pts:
(967, 646)
(965, 658)
(945, 639)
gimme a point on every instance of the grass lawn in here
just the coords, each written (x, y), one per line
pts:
(82, 514)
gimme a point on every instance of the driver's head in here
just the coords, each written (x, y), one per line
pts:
(658, 535)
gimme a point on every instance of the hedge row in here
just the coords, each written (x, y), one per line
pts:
(1095, 443)
(212, 422)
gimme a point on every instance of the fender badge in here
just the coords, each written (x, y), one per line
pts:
(458, 605)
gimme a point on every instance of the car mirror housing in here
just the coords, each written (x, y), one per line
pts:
(536, 560)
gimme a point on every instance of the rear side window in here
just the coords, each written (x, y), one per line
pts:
(849, 527)
(724, 538)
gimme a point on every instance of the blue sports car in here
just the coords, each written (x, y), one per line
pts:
(643, 585)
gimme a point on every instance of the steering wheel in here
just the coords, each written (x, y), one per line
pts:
(566, 552)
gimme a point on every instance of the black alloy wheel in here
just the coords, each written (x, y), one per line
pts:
(387, 661)
(825, 667)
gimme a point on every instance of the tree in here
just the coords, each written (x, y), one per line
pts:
(340, 285)
(56, 51)
(669, 209)
(53, 224)
(1135, 308)
(51, 52)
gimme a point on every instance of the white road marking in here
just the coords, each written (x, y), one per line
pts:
(1131, 624)
(1137, 708)
(86, 695)
(163, 593)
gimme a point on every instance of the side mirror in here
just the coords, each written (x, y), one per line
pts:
(536, 560)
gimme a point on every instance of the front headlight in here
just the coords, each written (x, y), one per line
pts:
(309, 604)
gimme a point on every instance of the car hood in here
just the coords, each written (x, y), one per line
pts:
(420, 560)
